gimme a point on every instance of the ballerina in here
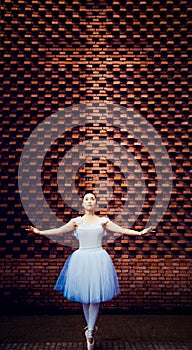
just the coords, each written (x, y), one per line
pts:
(88, 275)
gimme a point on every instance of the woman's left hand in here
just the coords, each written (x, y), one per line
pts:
(147, 230)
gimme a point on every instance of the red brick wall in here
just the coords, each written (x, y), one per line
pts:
(146, 284)
(130, 53)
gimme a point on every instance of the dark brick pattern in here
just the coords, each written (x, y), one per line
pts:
(146, 284)
(103, 345)
(131, 53)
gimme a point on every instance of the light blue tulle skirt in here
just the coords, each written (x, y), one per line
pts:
(88, 276)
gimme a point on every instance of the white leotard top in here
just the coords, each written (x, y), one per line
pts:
(90, 236)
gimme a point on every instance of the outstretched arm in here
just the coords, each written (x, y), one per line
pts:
(111, 226)
(55, 231)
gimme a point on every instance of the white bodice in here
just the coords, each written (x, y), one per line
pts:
(90, 236)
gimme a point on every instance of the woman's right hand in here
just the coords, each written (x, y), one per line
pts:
(32, 229)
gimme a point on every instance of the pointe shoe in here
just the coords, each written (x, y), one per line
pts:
(94, 331)
(90, 346)
(89, 333)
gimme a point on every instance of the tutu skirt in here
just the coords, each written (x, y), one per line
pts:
(88, 276)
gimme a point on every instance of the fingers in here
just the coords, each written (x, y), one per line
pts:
(148, 230)
(32, 229)
(28, 228)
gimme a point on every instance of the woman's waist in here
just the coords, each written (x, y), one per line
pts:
(90, 248)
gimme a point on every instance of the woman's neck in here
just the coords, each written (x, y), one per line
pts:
(89, 214)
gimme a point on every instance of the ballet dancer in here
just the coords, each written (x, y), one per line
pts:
(88, 275)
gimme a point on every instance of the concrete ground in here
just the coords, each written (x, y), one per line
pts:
(131, 332)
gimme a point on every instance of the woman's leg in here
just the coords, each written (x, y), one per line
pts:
(93, 313)
(86, 312)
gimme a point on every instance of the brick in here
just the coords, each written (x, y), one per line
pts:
(114, 57)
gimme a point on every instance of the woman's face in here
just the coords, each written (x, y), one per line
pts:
(89, 202)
